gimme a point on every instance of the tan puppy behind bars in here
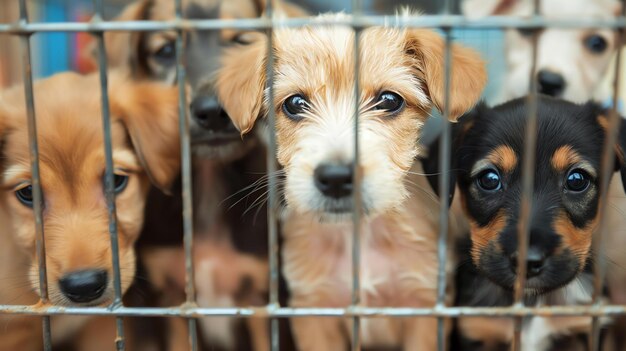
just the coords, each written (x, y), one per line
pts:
(401, 78)
(223, 165)
(75, 219)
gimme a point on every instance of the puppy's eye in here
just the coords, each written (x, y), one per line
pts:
(119, 183)
(167, 53)
(489, 180)
(25, 195)
(596, 44)
(243, 38)
(294, 106)
(577, 181)
(390, 102)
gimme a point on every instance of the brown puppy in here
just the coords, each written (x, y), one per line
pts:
(401, 78)
(224, 164)
(71, 150)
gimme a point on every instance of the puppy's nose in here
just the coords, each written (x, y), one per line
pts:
(209, 114)
(84, 286)
(550, 83)
(535, 262)
(334, 180)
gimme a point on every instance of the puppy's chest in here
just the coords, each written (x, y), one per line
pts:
(397, 269)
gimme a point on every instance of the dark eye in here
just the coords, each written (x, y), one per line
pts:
(167, 53)
(294, 106)
(577, 181)
(389, 101)
(595, 43)
(25, 195)
(119, 182)
(489, 180)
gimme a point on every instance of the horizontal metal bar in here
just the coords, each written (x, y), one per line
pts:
(286, 312)
(360, 22)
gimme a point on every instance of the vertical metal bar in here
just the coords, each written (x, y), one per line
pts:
(608, 161)
(109, 183)
(444, 186)
(528, 180)
(185, 153)
(36, 180)
(357, 177)
(272, 168)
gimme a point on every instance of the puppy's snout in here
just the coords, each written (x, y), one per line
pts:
(334, 180)
(84, 286)
(210, 115)
(535, 262)
(550, 83)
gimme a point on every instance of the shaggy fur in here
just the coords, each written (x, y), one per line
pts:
(399, 229)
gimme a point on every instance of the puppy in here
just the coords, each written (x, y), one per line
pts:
(223, 165)
(571, 63)
(487, 160)
(401, 78)
(75, 220)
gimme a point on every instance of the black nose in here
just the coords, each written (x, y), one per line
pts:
(334, 180)
(550, 83)
(84, 286)
(208, 113)
(534, 263)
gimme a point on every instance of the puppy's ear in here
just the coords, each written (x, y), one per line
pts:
(149, 111)
(122, 47)
(620, 147)
(483, 8)
(432, 162)
(468, 74)
(241, 82)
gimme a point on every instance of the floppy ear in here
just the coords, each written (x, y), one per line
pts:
(483, 8)
(468, 74)
(431, 162)
(122, 47)
(620, 156)
(241, 82)
(149, 111)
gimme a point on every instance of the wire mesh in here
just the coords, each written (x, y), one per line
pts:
(274, 310)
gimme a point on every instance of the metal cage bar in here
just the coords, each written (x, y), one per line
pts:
(186, 174)
(109, 182)
(607, 164)
(528, 181)
(357, 180)
(424, 21)
(444, 184)
(272, 171)
(33, 146)
(273, 310)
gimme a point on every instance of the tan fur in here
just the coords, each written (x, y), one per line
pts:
(71, 151)
(483, 236)
(578, 240)
(564, 157)
(398, 234)
(504, 158)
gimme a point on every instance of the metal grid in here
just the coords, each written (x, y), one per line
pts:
(189, 310)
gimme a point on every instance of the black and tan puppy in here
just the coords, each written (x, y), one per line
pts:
(487, 167)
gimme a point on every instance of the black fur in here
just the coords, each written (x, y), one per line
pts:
(488, 280)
